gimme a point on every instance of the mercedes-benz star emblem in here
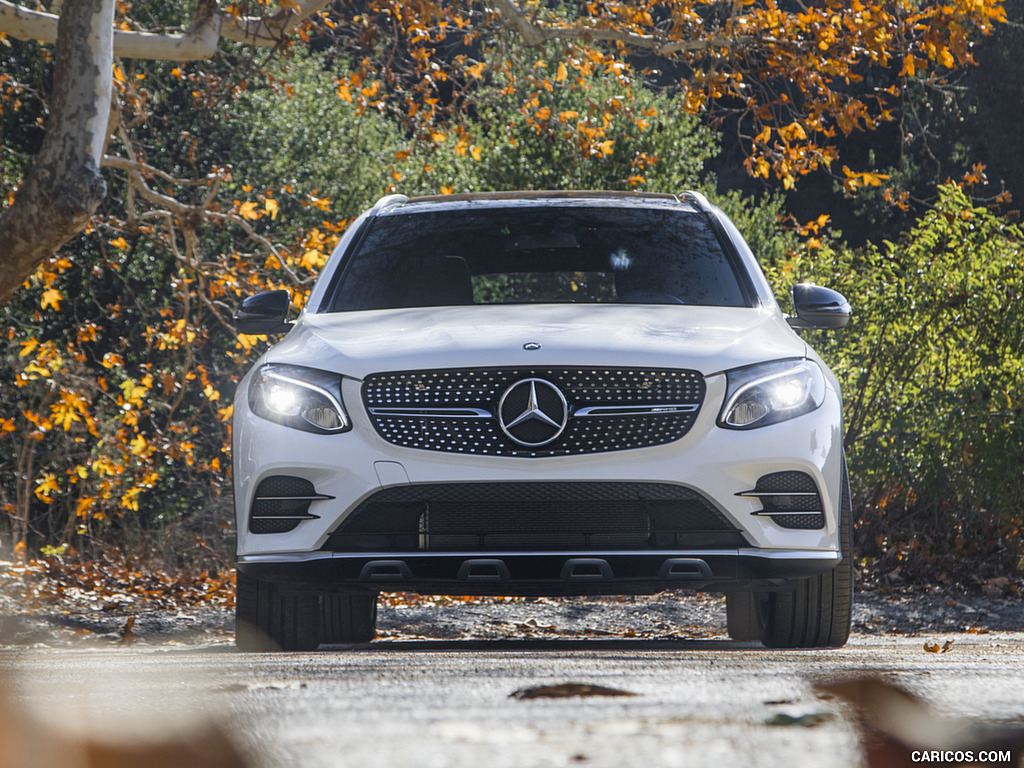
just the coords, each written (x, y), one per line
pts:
(532, 412)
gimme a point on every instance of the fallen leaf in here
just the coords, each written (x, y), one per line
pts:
(566, 690)
(803, 721)
(28, 743)
(127, 636)
(895, 726)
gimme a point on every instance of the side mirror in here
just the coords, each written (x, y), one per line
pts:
(818, 308)
(264, 313)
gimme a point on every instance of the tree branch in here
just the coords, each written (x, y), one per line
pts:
(209, 25)
(536, 34)
(268, 32)
(186, 213)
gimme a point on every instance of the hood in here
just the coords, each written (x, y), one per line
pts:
(706, 339)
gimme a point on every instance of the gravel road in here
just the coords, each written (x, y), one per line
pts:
(439, 688)
(453, 702)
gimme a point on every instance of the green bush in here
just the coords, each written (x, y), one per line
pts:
(932, 367)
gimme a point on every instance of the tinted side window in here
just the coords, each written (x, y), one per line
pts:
(539, 255)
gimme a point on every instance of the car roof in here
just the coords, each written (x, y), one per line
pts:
(399, 204)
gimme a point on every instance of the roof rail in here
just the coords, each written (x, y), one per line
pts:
(697, 199)
(387, 202)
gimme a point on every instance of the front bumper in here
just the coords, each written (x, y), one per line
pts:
(719, 464)
(542, 573)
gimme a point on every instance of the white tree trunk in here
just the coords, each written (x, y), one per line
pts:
(64, 186)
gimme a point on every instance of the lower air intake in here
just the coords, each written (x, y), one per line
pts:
(499, 517)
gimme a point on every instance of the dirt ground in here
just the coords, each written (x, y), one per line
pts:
(910, 611)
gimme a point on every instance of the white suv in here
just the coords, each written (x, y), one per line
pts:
(550, 393)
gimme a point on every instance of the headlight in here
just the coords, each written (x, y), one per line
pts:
(764, 394)
(303, 398)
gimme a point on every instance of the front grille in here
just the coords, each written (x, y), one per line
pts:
(281, 502)
(791, 499)
(610, 409)
(516, 516)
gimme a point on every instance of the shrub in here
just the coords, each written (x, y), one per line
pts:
(932, 366)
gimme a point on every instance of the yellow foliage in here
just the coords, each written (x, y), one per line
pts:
(313, 259)
(51, 298)
(84, 506)
(130, 499)
(249, 211)
(45, 487)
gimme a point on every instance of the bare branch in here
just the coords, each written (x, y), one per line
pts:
(134, 171)
(268, 32)
(536, 34)
(209, 25)
(199, 42)
(124, 164)
(170, 206)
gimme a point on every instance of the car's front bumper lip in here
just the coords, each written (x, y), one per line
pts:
(543, 572)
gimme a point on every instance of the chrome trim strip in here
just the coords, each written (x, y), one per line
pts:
(635, 410)
(285, 517)
(770, 554)
(287, 557)
(794, 554)
(772, 513)
(434, 413)
(777, 493)
(317, 497)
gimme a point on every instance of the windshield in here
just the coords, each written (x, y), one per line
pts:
(539, 255)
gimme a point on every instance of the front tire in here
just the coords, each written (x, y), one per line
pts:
(818, 613)
(273, 617)
(349, 617)
(741, 616)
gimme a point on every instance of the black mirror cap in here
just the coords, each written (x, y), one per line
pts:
(264, 313)
(818, 308)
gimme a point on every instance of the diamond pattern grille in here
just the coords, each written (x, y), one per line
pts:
(482, 388)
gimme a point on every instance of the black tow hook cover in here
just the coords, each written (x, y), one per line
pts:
(587, 569)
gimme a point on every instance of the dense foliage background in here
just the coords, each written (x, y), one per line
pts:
(118, 360)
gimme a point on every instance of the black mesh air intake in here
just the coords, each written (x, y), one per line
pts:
(280, 504)
(518, 516)
(791, 499)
